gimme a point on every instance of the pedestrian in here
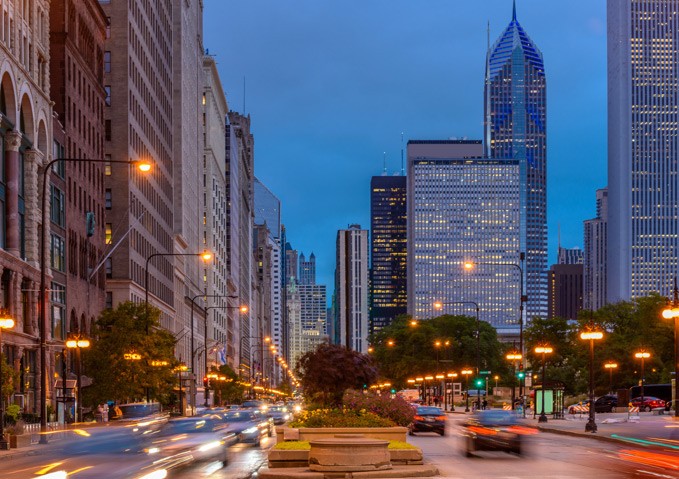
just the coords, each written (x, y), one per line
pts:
(484, 404)
(100, 413)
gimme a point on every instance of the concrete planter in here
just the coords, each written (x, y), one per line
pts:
(22, 440)
(281, 458)
(396, 433)
(352, 453)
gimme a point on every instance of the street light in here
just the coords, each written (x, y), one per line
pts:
(590, 336)
(6, 322)
(452, 377)
(544, 350)
(610, 366)
(643, 355)
(672, 311)
(466, 373)
(78, 344)
(469, 265)
(143, 166)
(427, 393)
(514, 356)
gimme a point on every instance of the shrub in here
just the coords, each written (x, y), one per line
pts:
(396, 409)
(16, 429)
(341, 418)
(305, 445)
(12, 413)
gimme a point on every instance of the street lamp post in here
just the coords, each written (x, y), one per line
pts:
(78, 344)
(42, 326)
(439, 305)
(591, 336)
(452, 377)
(672, 311)
(241, 341)
(514, 356)
(427, 393)
(466, 373)
(643, 355)
(423, 391)
(610, 366)
(6, 322)
(544, 350)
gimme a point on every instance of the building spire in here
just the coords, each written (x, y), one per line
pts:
(514, 12)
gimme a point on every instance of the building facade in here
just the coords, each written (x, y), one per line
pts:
(516, 128)
(388, 241)
(307, 269)
(643, 174)
(351, 288)
(596, 241)
(463, 208)
(565, 290)
(570, 256)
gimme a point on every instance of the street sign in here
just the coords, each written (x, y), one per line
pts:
(484, 373)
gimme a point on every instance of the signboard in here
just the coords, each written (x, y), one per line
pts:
(484, 373)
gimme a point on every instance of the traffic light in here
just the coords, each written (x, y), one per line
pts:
(520, 374)
(393, 391)
(206, 381)
(479, 382)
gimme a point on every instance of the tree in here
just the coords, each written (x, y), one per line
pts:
(10, 379)
(331, 369)
(130, 329)
(228, 390)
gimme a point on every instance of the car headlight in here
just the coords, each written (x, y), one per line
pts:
(153, 450)
(298, 408)
(209, 445)
(286, 417)
(250, 430)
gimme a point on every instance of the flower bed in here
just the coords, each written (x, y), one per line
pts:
(340, 418)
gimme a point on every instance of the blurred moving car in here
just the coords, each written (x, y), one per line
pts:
(253, 404)
(606, 403)
(266, 422)
(493, 430)
(428, 419)
(280, 414)
(245, 425)
(190, 440)
(650, 403)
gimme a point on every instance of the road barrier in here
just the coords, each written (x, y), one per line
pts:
(579, 409)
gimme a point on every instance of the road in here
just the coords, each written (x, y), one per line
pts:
(547, 456)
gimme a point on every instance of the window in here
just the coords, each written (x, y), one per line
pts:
(108, 198)
(107, 88)
(109, 267)
(107, 62)
(109, 300)
(58, 168)
(58, 253)
(57, 206)
(108, 234)
(58, 296)
(107, 165)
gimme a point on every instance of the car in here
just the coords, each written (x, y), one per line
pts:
(280, 414)
(492, 430)
(245, 425)
(266, 422)
(649, 403)
(606, 403)
(579, 408)
(253, 404)
(190, 440)
(428, 419)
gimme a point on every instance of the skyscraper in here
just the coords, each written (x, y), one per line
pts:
(516, 128)
(388, 241)
(594, 280)
(643, 173)
(463, 207)
(351, 288)
(307, 269)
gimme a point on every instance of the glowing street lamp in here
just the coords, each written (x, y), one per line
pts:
(643, 355)
(610, 366)
(6, 322)
(78, 344)
(672, 312)
(452, 377)
(466, 373)
(591, 336)
(544, 350)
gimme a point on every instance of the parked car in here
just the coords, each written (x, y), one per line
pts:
(245, 425)
(190, 440)
(650, 403)
(280, 414)
(606, 403)
(492, 430)
(428, 419)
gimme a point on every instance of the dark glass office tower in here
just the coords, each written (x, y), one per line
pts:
(388, 250)
(516, 128)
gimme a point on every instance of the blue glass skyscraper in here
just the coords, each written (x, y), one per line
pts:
(516, 128)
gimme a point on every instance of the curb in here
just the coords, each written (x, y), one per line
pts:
(565, 432)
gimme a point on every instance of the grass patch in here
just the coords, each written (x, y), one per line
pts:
(305, 445)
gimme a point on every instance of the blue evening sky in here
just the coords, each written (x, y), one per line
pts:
(330, 85)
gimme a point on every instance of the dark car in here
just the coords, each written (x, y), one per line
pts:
(280, 414)
(492, 430)
(606, 403)
(244, 425)
(428, 419)
(650, 403)
(266, 422)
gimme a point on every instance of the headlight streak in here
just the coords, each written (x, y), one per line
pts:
(250, 430)
(55, 475)
(159, 474)
(209, 445)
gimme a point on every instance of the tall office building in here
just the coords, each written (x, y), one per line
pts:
(291, 264)
(643, 173)
(307, 269)
(516, 128)
(351, 288)
(569, 256)
(388, 240)
(461, 208)
(565, 290)
(594, 274)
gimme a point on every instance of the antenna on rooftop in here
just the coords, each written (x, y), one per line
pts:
(243, 94)
(384, 164)
(402, 170)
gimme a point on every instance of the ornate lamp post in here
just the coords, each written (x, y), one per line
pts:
(643, 355)
(466, 373)
(514, 356)
(544, 350)
(78, 343)
(452, 377)
(590, 336)
(6, 322)
(610, 366)
(144, 167)
(672, 312)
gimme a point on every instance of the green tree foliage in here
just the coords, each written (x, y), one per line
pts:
(228, 390)
(328, 371)
(10, 379)
(403, 350)
(122, 331)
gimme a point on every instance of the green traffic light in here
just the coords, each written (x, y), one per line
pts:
(521, 375)
(479, 382)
